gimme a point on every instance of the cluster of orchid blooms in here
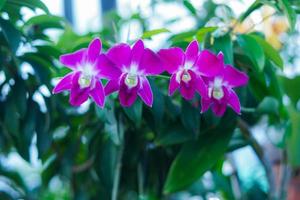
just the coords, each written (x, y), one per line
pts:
(127, 68)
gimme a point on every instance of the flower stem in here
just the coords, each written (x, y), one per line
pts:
(162, 76)
(248, 110)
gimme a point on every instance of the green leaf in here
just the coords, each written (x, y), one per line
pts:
(196, 157)
(12, 35)
(293, 138)
(11, 117)
(134, 112)
(291, 88)
(254, 6)
(253, 50)
(41, 67)
(289, 12)
(173, 134)
(2, 2)
(190, 117)
(224, 44)
(149, 34)
(46, 21)
(190, 7)
(19, 96)
(269, 105)
(32, 4)
(44, 138)
(270, 52)
(202, 32)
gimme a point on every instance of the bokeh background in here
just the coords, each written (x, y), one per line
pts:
(49, 150)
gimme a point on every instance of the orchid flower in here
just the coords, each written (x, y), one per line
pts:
(88, 67)
(134, 65)
(187, 68)
(220, 90)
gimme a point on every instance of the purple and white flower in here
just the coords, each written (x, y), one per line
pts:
(187, 69)
(134, 65)
(88, 67)
(220, 90)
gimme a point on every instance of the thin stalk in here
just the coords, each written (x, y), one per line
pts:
(248, 110)
(261, 156)
(140, 177)
(116, 183)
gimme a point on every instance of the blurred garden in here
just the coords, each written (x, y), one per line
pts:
(149, 99)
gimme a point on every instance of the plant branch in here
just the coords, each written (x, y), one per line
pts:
(261, 156)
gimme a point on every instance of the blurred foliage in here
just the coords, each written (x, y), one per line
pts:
(137, 152)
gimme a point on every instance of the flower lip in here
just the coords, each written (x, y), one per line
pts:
(183, 75)
(84, 81)
(215, 89)
(131, 80)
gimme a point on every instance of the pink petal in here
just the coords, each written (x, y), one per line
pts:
(221, 56)
(94, 49)
(172, 59)
(219, 109)
(137, 52)
(145, 92)
(64, 84)
(97, 94)
(208, 64)
(187, 91)
(72, 60)
(120, 55)
(205, 104)
(78, 96)
(201, 87)
(192, 52)
(106, 68)
(174, 85)
(150, 63)
(235, 77)
(111, 86)
(234, 102)
(127, 97)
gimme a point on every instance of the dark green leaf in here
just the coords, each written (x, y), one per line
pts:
(190, 7)
(291, 88)
(173, 134)
(289, 12)
(12, 35)
(134, 112)
(270, 52)
(224, 44)
(190, 117)
(253, 50)
(195, 158)
(32, 4)
(2, 2)
(293, 138)
(269, 105)
(45, 21)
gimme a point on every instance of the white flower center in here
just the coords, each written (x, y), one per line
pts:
(87, 73)
(216, 89)
(131, 80)
(84, 81)
(184, 76)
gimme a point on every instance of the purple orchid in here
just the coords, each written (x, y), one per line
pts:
(88, 66)
(134, 65)
(187, 68)
(220, 90)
